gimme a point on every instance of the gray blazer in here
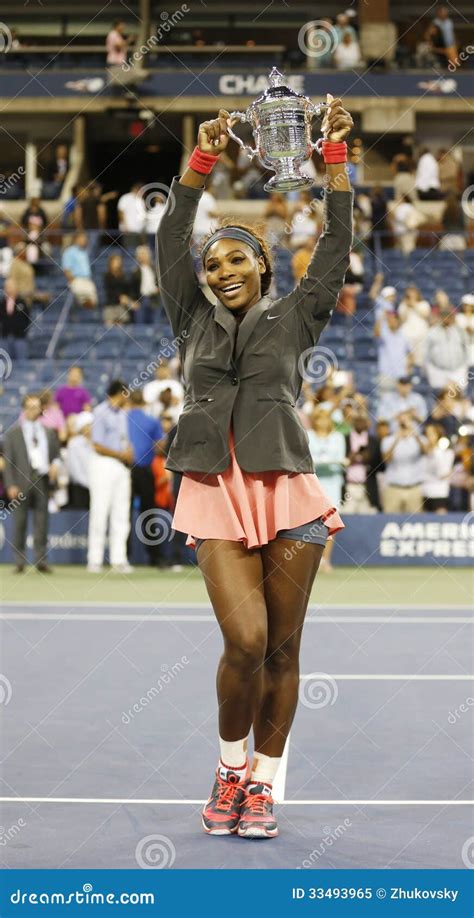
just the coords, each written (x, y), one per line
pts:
(17, 469)
(245, 374)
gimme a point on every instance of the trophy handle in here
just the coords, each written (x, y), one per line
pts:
(240, 116)
(317, 110)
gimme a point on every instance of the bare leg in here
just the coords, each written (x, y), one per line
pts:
(289, 574)
(233, 577)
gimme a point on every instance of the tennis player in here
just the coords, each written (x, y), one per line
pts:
(249, 500)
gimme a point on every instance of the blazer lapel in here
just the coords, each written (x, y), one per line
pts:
(249, 322)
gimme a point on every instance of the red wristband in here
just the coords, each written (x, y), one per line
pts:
(202, 162)
(334, 152)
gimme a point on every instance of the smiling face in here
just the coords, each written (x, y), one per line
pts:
(233, 273)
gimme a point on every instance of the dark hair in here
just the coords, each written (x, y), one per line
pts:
(266, 278)
(116, 386)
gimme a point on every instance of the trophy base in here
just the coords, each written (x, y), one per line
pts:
(290, 183)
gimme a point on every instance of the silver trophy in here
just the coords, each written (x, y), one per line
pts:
(281, 125)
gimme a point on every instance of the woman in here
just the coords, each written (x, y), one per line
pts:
(249, 496)
(439, 461)
(117, 292)
(328, 452)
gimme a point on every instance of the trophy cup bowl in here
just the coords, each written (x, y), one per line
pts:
(281, 121)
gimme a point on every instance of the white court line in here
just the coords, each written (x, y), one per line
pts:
(402, 676)
(157, 617)
(313, 607)
(181, 802)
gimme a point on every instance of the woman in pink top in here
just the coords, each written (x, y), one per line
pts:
(249, 498)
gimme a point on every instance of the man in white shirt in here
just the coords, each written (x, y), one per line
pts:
(31, 452)
(153, 390)
(132, 215)
(79, 452)
(427, 182)
(448, 352)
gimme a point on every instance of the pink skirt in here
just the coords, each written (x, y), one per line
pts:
(250, 507)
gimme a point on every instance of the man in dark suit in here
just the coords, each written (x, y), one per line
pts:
(14, 321)
(30, 450)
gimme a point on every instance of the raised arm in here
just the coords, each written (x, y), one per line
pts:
(177, 280)
(316, 294)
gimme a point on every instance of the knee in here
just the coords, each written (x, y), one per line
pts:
(283, 658)
(247, 652)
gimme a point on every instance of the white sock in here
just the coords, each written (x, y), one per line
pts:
(234, 756)
(264, 768)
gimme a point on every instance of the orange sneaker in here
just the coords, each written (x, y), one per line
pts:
(256, 813)
(221, 813)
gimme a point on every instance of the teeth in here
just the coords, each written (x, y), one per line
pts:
(232, 287)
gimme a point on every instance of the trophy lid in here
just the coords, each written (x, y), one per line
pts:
(277, 89)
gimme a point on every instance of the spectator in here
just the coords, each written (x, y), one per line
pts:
(447, 412)
(454, 239)
(415, 313)
(439, 461)
(347, 53)
(143, 288)
(403, 454)
(304, 223)
(384, 298)
(205, 215)
(447, 352)
(444, 23)
(465, 318)
(6, 259)
(430, 51)
(87, 207)
(360, 496)
(132, 216)
(74, 398)
(31, 452)
(52, 416)
(110, 482)
(6, 224)
(301, 258)
(22, 274)
(427, 182)
(394, 358)
(378, 216)
(34, 217)
(404, 178)
(77, 269)
(276, 216)
(116, 45)
(68, 217)
(328, 451)
(78, 457)
(403, 399)
(14, 321)
(153, 217)
(145, 434)
(117, 286)
(153, 390)
(343, 27)
(405, 222)
(60, 164)
(449, 172)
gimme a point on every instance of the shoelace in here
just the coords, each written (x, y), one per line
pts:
(226, 794)
(256, 803)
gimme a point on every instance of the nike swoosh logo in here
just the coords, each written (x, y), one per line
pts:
(273, 317)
